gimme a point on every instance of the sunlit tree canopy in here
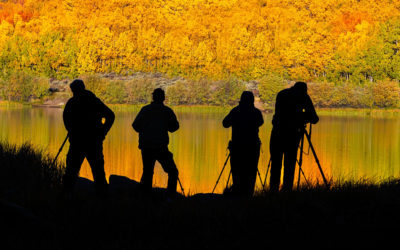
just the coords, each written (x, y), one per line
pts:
(336, 40)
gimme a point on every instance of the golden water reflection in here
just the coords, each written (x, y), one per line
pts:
(349, 148)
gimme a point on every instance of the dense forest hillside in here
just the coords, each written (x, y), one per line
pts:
(343, 42)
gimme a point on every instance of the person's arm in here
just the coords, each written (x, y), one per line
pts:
(67, 116)
(227, 122)
(277, 114)
(310, 113)
(173, 124)
(109, 116)
(137, 123)
(106, 113)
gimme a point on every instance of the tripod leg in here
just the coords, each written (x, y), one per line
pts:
(266, 174)
(298, 178)
(316, 159)
(226, 161)
(59, 151)
(229, 177)
(259, 177)
(301, 172)
(300, 162)
(180, 184)
(308, 184)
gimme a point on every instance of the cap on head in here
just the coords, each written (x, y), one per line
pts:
(77, 86)
(247, 98)
(300, 87)
(158, 95)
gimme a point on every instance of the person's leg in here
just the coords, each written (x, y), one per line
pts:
(75, 157)
(240, 168)
(290, 152)
(235, 162)
(251, 169)
(149, 159)
(95, 157)
(165, 157)
(244, 162)
(276, 152)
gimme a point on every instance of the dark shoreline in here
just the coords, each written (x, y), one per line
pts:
(123, 107)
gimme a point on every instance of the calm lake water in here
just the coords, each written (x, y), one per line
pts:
(349, 147)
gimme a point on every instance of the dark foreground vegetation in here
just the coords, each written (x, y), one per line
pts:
(34, 216)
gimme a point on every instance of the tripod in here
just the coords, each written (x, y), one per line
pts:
(300, 162)
(230, 172)
(306, 134)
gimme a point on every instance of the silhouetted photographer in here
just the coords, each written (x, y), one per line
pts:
(83, 118)
(293, 110)
(245, 120)
(153, 123)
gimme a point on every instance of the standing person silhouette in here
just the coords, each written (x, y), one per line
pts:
(245, 120)
(153, 123)
(293, 110)
(83, 118)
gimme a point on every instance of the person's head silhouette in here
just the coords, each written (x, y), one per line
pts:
(247, 99)
(300, 88)
(158, 95)
(77, 86)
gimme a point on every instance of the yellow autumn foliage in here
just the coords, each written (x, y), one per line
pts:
(217, 39)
